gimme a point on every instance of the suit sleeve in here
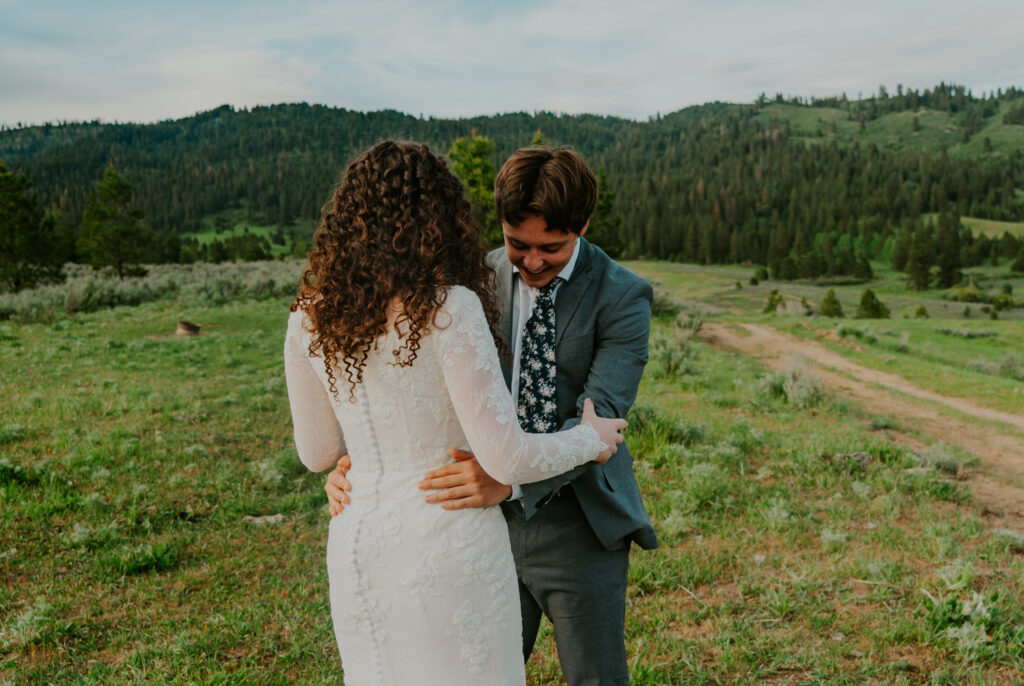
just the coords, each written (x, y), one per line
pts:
(617, 364)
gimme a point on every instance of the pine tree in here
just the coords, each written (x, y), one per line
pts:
(113, 232)
(1018, 264)
(862, 268)
(604, 222)
(871, 307)
(920, 260)
(830, 306)
(949, 251)
(31, 242)
(902, 252)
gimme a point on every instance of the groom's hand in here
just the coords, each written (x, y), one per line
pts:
(463, 484)
(337, 486)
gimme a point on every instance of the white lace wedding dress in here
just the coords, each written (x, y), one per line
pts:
(421, 595)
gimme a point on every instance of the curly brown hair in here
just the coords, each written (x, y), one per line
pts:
(397, 225)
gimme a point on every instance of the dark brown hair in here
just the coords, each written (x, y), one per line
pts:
(554, 183)
(398, 225)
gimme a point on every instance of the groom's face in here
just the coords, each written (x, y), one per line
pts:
(537, 253)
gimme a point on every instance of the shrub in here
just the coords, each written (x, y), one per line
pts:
(1012, 365)
(1002, 302)
(664, 305)
(968, 333)
(982, 366)
(202, 283)
(942, 458)
(774, 301)
(671, 352)
(921, 313)
(862, 332)
(797, 387)
(871, 307)
(967, 295)
(704, 484)
(830, 306)
(880, 422)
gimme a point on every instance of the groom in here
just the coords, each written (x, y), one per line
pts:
(570, 534)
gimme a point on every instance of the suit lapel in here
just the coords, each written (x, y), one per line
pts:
(568, 296)
(503, 292)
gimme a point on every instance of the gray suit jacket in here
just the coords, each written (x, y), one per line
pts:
(602, 319)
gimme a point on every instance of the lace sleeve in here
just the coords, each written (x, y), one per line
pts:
(484, 405)
(318, 437)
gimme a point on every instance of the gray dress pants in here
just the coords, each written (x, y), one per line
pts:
(565, 573)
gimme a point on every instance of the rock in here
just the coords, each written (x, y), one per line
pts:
(187, 329)
(264, 519)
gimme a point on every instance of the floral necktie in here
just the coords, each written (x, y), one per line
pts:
(537, 411)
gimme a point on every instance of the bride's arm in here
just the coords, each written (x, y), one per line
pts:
(318, 437)
(484, 405)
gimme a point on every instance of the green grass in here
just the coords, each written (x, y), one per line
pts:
(130, 459)
(938, 131)
(992, 228)
(921, 352)
(917, 349)
(141, 455)
(238, 222)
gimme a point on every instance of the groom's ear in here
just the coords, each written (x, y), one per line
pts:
(584, 229)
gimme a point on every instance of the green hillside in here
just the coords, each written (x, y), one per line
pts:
(937, 131)
(993, 229)
(810, 188)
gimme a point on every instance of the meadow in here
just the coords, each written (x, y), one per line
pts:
(937, 131)
(158, 527)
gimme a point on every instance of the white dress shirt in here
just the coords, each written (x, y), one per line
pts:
(523, 298)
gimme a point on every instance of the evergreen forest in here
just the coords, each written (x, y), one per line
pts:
(809, 188)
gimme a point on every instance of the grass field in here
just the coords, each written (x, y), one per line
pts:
(992, 228)
(237, 222)
(798, 544)
(938, 131)
(938, 353)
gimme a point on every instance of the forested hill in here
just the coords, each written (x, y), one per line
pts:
(713, 183)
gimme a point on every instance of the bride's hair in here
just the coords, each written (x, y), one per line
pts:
(397, 224)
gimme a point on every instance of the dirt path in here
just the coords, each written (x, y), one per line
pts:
(998, 485)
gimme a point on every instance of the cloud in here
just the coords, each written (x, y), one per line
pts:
(136, 61)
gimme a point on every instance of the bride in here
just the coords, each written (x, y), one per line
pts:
(389, 356)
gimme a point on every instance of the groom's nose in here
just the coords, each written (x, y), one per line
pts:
(533, 261)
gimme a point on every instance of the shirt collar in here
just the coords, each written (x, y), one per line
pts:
(569, 266)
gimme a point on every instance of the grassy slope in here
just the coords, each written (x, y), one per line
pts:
(992, 228)
(141, 453)
(944, 363)
(238, 223)
(894, 132)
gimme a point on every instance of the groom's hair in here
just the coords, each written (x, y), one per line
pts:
(553, 183)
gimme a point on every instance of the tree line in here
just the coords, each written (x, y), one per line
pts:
(708, 184)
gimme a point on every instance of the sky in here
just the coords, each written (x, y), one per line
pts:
(145, 61)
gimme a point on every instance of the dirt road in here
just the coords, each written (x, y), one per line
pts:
(996, 440)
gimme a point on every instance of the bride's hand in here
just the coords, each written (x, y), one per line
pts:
(607, 428)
